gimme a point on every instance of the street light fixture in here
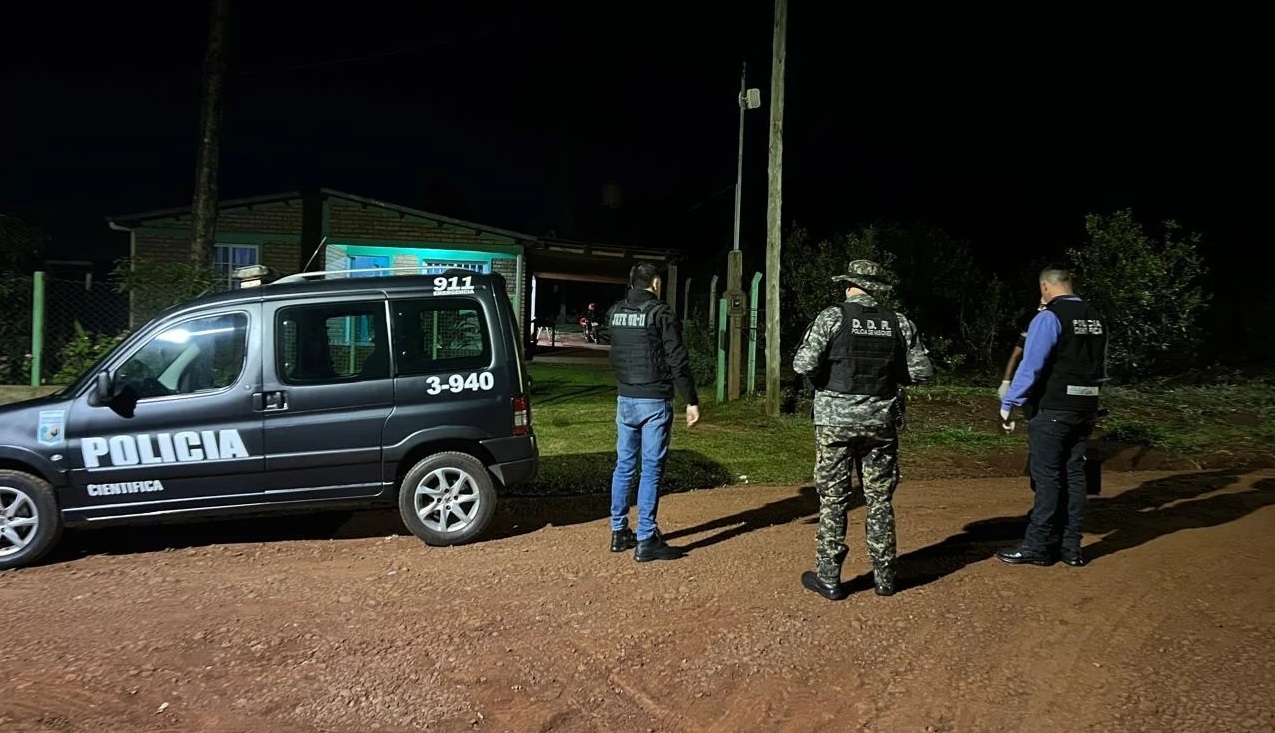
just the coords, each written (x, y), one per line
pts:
(748, 99)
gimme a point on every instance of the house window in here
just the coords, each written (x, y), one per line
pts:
(360, 262)
(229, 257)
(438, 268)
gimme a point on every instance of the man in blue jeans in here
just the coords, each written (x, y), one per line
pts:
(1064, 366)
(650, 364)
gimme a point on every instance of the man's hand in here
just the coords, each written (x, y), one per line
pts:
(1006, 424)
(1003, 389)
(692, 415)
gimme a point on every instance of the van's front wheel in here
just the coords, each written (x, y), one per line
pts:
(30, 523)
(447, 499)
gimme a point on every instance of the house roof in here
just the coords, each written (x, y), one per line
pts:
(132, 220)
(546, 244)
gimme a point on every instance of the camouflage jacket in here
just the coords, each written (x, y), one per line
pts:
(868, 411)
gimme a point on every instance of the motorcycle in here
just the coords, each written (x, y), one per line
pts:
(589, 327)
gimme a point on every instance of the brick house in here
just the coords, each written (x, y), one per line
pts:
(294, 232)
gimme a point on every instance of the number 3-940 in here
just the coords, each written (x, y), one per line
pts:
(456, 383)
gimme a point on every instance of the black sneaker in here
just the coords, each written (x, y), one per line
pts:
(623, 539)
(655, 548)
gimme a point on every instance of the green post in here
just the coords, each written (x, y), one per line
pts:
(37, 327)
(752, 333)
(721, 351)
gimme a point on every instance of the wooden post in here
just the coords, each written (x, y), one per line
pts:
(774, 231)
(670, 288)
(204, 219)
(712, 302)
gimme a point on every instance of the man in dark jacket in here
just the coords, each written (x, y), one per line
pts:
(1064, 365)
(650, 364)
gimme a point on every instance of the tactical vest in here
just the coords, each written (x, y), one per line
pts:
(866, 356)
(637, 346)
(1071, 378)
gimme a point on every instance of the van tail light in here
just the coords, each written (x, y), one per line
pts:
(522, 415)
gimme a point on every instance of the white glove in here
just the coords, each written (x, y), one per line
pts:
(1003, 389)
(1006, 424)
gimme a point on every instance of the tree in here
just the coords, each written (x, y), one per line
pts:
(807, 270)
(21, 246)
(1149, 291)
(204, 218)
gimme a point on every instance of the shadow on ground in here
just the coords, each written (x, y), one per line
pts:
(1155, 509)
(590, 473)
(803, 504)
(578, 490)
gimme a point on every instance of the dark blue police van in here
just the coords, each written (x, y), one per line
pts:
(316, 391)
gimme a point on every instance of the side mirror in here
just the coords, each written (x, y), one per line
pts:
(102, 388)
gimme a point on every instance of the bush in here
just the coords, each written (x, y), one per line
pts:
(701, 346)
(156, 286)
(81, 352)
(1148, 291)
(960, 311)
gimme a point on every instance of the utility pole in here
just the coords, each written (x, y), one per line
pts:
(774, 232)
(748, 99)
(204, 219)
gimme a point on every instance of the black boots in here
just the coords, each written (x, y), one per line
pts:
(883, 579)
(623, 539)
(655, 548)
(832, 591)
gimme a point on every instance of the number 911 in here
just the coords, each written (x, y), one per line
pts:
(457, 383)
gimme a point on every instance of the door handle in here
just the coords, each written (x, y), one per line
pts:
(276, 400)
(273, 401)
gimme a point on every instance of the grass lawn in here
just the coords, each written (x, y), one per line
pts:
(952, 430)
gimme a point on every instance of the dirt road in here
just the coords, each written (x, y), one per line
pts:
(1171, 628)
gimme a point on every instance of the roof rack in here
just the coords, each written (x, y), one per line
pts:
(304, 276)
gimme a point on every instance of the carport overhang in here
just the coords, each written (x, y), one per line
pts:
(559, 259)
(587, 262)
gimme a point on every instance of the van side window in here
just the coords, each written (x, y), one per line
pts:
(337, 342)
(440, 334)
(200, 355)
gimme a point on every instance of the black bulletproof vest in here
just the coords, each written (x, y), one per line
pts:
(1071, 378)
(866, 356)
(637, 348)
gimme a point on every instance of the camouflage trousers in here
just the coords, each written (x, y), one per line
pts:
(872, 454)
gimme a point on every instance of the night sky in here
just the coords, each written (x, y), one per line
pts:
(1005, 127)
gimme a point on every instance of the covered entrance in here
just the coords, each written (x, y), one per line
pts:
(566, 276)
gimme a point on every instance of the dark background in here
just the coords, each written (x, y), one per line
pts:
(1004, 126)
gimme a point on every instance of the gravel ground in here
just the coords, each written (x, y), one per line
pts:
(286, 626)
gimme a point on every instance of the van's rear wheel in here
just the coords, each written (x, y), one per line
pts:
(30, 523)
(447, 499)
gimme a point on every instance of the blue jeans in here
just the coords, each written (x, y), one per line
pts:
(644, 426)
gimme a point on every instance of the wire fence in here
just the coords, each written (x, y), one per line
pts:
(65, 326)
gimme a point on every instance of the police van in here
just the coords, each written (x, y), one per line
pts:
(316, 391)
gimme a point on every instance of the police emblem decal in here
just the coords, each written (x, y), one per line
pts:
(52, 429)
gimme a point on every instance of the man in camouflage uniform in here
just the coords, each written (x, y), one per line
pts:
(858, 354)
